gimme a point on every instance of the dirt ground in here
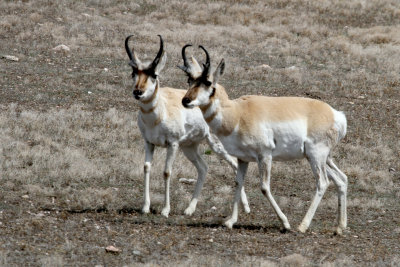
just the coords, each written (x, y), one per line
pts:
(71, 155)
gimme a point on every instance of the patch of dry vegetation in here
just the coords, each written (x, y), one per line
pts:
(69, 139)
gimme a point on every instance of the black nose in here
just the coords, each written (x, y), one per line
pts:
(185, 102)
(137, 92)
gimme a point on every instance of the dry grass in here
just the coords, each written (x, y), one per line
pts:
(69, 143)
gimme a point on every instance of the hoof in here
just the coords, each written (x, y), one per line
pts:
(165, 213)
(146, 210)
(302, 228)
(229, 224)
(246, 209)
(338, 231)
(189, 211)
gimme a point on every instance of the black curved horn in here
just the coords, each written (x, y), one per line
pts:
(128, 51)
(160, 52)
(207, 56)
(185, 66)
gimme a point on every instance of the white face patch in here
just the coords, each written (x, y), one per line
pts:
(203, 97)
(151, 87)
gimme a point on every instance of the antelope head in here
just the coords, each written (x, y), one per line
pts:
(202, 81)
(145, 75)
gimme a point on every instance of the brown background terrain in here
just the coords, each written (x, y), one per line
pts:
(71, 155)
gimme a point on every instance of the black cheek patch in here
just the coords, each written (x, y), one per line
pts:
(213, 92)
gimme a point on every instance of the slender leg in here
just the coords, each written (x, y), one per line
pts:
(340, 180)
(149, 150)
(242, 168)
(264, 167)
(218, 148)
(171, 154)
(318, 167)
(192, 153)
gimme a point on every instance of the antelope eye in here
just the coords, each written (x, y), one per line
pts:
(207, 83)
(153, 78)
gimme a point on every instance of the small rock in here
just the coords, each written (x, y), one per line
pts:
(12, 58)
(113, 249)
(265, 67)
(105, 69)
(25, 196)
(392, 170)
(89, 92)
(292, 68)
(187, 181)
(210, 240)
(136, 252)
(213, 208)
(61, 47)
(86, 15)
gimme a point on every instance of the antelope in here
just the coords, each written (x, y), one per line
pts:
(260, 129)
(164, 122)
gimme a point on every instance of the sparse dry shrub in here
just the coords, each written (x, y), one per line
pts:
(53, 260)
(294, 260)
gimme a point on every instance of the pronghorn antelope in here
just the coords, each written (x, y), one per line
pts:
(259, 129)
(164, 122)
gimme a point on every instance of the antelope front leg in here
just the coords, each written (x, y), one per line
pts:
(242, 168)
(218, 148)
(149, 150)
(171, 154)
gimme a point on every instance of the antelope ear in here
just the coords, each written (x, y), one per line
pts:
(135, 61)
(160, 64)
(218, 71)
(196, 69)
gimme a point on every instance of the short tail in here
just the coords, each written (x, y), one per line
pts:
(340, 123)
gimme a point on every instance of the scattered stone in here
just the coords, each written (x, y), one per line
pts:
(213, 208)
(392, 170)
(292, 68)
(113, 249)
(211, 240)
(25, 196)
(187, 181)
(136, 252)
(62, 47)
(264, 67)
(105, 69)
(8, 57)
(89, 92)
(86, 15)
